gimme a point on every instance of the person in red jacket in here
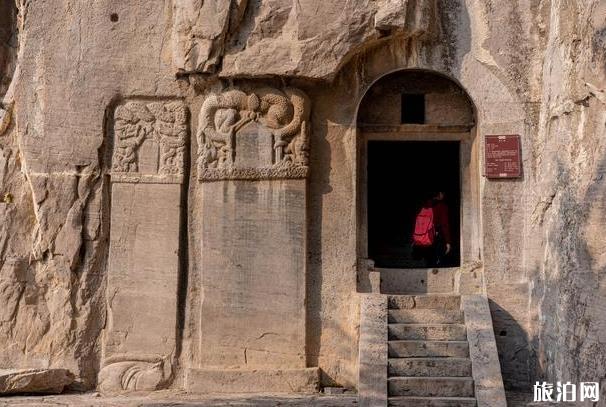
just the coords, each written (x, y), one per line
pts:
(433, 254)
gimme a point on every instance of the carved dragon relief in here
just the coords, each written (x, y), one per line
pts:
(163, 123)
(285, 114)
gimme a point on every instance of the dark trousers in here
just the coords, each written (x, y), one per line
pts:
(434, 255)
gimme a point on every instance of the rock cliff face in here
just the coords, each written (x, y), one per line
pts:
(533, 67)
(567, 214)
(307, 38)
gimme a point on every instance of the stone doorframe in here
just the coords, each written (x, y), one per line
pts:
(470, 224)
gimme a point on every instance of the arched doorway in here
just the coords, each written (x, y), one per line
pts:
(416, 138)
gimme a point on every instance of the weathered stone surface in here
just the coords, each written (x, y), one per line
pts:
(15, 381)
(139, 341)
(483, 353)
(239, 37)
(434, 332)
(437, 301)
(372, 381)
(253, 381)
(532, 68)
(428, 316)
(410, 281)
(420, 348)
(261, 135)
(177, 398)
(431, 386)
(450, 367)
(200, 31)
(405, 401)
(252, 313)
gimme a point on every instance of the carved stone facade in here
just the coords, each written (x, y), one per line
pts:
(136, 262)
(257, 135)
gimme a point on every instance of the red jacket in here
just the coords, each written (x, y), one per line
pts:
(440, 219)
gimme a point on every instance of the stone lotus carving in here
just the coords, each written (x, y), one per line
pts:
(225, 117)
(134, 373)
(164, 123)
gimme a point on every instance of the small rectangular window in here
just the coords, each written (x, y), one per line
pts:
(413, 108)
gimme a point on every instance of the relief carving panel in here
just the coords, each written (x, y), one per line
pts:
(149, 141)
(259, 135)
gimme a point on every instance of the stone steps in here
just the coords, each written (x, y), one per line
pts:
(420, 281)
(428, 352)
(420, 348)
(428, 332)
(426, 316)
(420, 367)
(403, 401)
(429, 301)
(425, 361)
(431, 386)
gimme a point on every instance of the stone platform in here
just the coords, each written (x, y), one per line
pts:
(176, 399)
(249, 381)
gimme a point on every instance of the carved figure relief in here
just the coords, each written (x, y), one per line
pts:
(136, 123)
(226, 118)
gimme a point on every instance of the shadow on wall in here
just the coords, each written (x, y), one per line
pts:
(513, 348)
(320, 162)
(8, 43)
(570, 288)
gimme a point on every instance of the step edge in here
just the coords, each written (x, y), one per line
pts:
(433, 398)
(413, 323)
(419, 378)
(417, 358)
(423, 324)
(452, 310)
(421, 340)
(451, 294)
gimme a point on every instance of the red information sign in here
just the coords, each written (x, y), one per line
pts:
(502, 156)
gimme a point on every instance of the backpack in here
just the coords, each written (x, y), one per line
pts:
(425, 231)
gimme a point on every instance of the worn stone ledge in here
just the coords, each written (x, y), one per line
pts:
(305, 380)
(372, 382)
(176, 398)
(268, 173)
(486, 370)
(136, 178)
(417, 281)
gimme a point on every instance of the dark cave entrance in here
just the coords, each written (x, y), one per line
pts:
(401, 176)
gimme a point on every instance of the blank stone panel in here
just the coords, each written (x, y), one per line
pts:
(142, 284)
(253, 274)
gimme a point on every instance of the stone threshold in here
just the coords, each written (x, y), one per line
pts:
(304, 380)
